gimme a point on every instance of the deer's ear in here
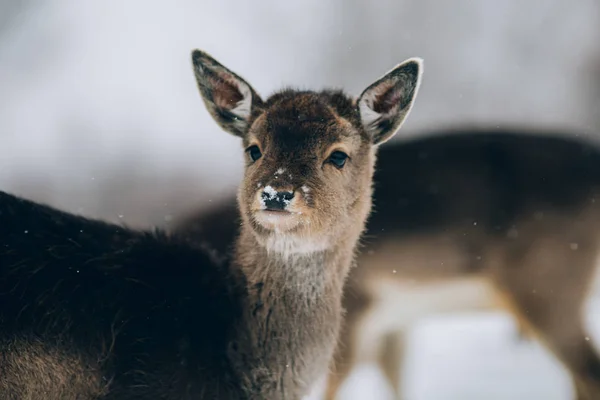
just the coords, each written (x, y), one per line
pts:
(229, 99)
(385, 104)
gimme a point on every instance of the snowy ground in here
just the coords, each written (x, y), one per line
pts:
(471, 357)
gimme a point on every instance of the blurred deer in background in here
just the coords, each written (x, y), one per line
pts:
(467, 220)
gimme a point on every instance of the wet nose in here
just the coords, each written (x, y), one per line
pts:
(275, 200)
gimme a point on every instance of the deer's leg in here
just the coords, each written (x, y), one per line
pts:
(545, 281)
(391, 357)
(521, 333)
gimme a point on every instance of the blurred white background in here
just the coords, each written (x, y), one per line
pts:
(99, 113)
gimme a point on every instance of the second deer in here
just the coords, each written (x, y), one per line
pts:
(475, 219)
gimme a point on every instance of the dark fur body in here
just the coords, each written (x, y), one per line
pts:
(494, 178)
(91, 310)
(515, 207)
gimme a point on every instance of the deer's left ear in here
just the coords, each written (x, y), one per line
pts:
(385, 104)
(229, 99)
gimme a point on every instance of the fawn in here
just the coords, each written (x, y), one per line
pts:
(473, 219)
(93, 310)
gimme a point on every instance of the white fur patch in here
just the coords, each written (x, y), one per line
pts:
(368, 116)
(297, 264)
(289, 246)
(399, 305)
(243, 108)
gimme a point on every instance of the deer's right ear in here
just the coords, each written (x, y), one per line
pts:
(229, 99)
(385, 104)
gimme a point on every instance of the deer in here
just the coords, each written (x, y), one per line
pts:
(466, 219)
(94, 310)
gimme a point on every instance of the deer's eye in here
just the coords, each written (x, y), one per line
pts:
(254, 152)
(338, 158)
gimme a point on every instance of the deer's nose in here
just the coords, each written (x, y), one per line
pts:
(275, 200)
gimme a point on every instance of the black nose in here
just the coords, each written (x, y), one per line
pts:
(275, 200)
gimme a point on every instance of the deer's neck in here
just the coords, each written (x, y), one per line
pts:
(292, 314)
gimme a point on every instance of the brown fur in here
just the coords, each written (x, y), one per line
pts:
(296, 268)
(92, 310)
(479, 220)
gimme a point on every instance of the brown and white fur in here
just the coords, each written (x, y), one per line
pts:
(472, 219)
(91, 310)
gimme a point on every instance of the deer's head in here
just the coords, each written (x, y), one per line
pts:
(309, 155)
